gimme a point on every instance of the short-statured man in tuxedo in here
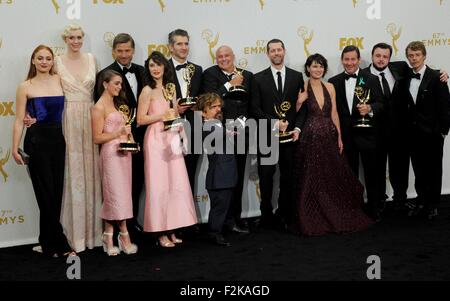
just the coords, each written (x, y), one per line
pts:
(179, 50)
(271, 88)
(221, 79)
(426, 112)
(222, 174)
(133, 79)
(361, 142)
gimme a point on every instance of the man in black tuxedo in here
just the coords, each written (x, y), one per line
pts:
(229, 82)
(361, 141)
(222, 174)
(277, 86)
(133, 78)
(392, 142)
(179, 50)
(426, 108)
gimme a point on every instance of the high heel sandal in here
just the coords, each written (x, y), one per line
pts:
(167, 244)
(132, 249)
(176, 240)
(113, 251)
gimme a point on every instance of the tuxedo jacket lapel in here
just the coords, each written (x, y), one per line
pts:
(423, 85)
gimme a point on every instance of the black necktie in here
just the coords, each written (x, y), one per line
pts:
(386, 89)
(125, 70)
(179, 67)
(280, 85)
(415, 75)
(229, 76)
(347, 76)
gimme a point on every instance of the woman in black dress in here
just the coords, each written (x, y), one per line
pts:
(328, 195)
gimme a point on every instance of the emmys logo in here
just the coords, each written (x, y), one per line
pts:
(6, 108)
(259, 48)
(108, 38)
(56, 6)
(207, 36)
(6, 217)
(3, 160)
(108, 1)
(355, 2)
(162, 5)
(261, 4)
(58, 50)
(307, 37)
(6, 2)
(242, 63)
(395, 34)
(438, 39)
(356, 41)
(163, 48)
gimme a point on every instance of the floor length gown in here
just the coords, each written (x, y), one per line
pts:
(329, 197)
(168, 203)
(82, 195)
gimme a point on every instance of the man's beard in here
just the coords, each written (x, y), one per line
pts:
(378, 68)
(219, 116)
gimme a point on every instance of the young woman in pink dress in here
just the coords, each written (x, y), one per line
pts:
(168, 204)
(109, 129)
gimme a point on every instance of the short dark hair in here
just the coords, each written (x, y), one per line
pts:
(350, 48)
(383, 46)
(273, 41)
(159, 59)
(123, 38)
(316, 58)
(177, 32)
(416, 46)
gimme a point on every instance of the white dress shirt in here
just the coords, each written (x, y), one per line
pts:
(132, 81)
(350, 85)
(415, 83)
(275, 76)
(181, 81)
(387, 74)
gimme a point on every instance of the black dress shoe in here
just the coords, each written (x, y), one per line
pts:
(238, 229)
(432, 214)
(218, 239)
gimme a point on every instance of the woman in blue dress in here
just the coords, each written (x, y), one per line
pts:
(42, 97)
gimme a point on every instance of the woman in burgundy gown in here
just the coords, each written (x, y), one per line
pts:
(328, 195)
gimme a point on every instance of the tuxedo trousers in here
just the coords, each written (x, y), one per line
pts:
(426, 158)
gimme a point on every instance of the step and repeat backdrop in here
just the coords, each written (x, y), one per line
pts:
(306, 27)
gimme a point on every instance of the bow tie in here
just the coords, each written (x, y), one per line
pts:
(125, 70)
(415, 75)
(179, 67)
(347, 76)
